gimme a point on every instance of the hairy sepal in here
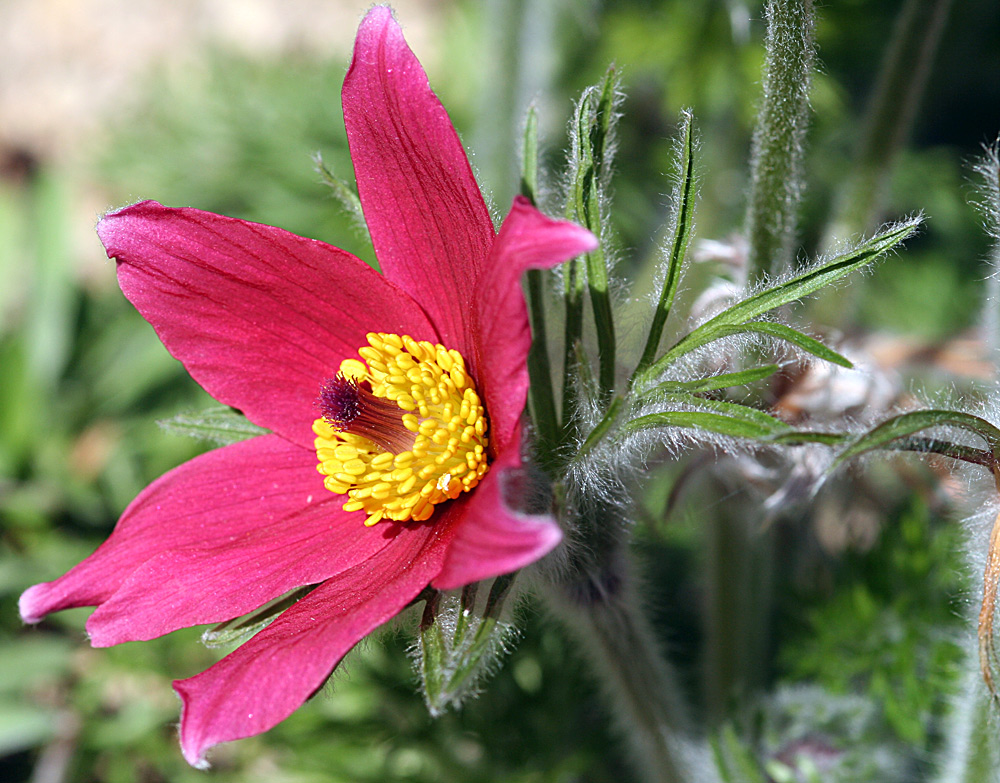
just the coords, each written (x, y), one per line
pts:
(459, 641)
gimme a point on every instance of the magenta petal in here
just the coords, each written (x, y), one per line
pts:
(212, 498)
(259, 317)
(226, 579)
(429, 225)
(527, 240)
(265, 680)
(492, 538)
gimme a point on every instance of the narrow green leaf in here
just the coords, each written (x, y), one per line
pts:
(802, 437)
(529, 156)
(239, 629)
(680, 237)
(716, 382)
(543, 403)
(913, 443)
(734, 409)
(699, 420)
(592, 146)
(907, 424)
(700, 337)
(344, 193)
(467, 605)
(742, 313)
(483, 640)
(823, 274)
(220, 425)
(602, 428)
(945, 448)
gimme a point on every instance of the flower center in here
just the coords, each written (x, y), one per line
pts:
(402, 430)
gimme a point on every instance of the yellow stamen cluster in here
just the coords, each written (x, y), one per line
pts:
(438, 453)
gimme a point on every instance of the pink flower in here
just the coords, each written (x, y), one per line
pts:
(270, 323)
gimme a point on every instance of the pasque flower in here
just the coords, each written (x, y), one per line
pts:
(404, 388)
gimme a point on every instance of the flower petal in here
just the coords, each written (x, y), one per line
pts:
(212, 498)
(493, 538)
(259, 317)
(527, 240)
(265, 680)
(224, 579)
(429, 225)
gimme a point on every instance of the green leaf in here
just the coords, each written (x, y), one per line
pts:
(701, 337)
(220, 425)
(719, 416)
(543, 401)
(716, 382)
(344, 193)
(592, 146)
(819, 276)
(683, 222)
(823, 274)
(734, 761)
(239, 629)
(529, 156)
(720, 423)
(895, 433)
(602, 427)
(733, 409)
(24, 726)
(803, 437)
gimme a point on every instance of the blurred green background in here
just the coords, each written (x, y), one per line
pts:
(221, 106)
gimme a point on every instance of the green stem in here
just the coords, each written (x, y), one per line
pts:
(600, 608)
(739, 599)
(778, 143)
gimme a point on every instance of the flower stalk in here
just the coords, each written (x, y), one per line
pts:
(776, 182)
(595, 597)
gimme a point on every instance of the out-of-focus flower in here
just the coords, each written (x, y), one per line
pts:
(406, 388)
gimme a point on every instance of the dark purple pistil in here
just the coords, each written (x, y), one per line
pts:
(350, 406)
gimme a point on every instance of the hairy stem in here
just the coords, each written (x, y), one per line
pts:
(778, 142)
(739, 598)
(595, 597)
